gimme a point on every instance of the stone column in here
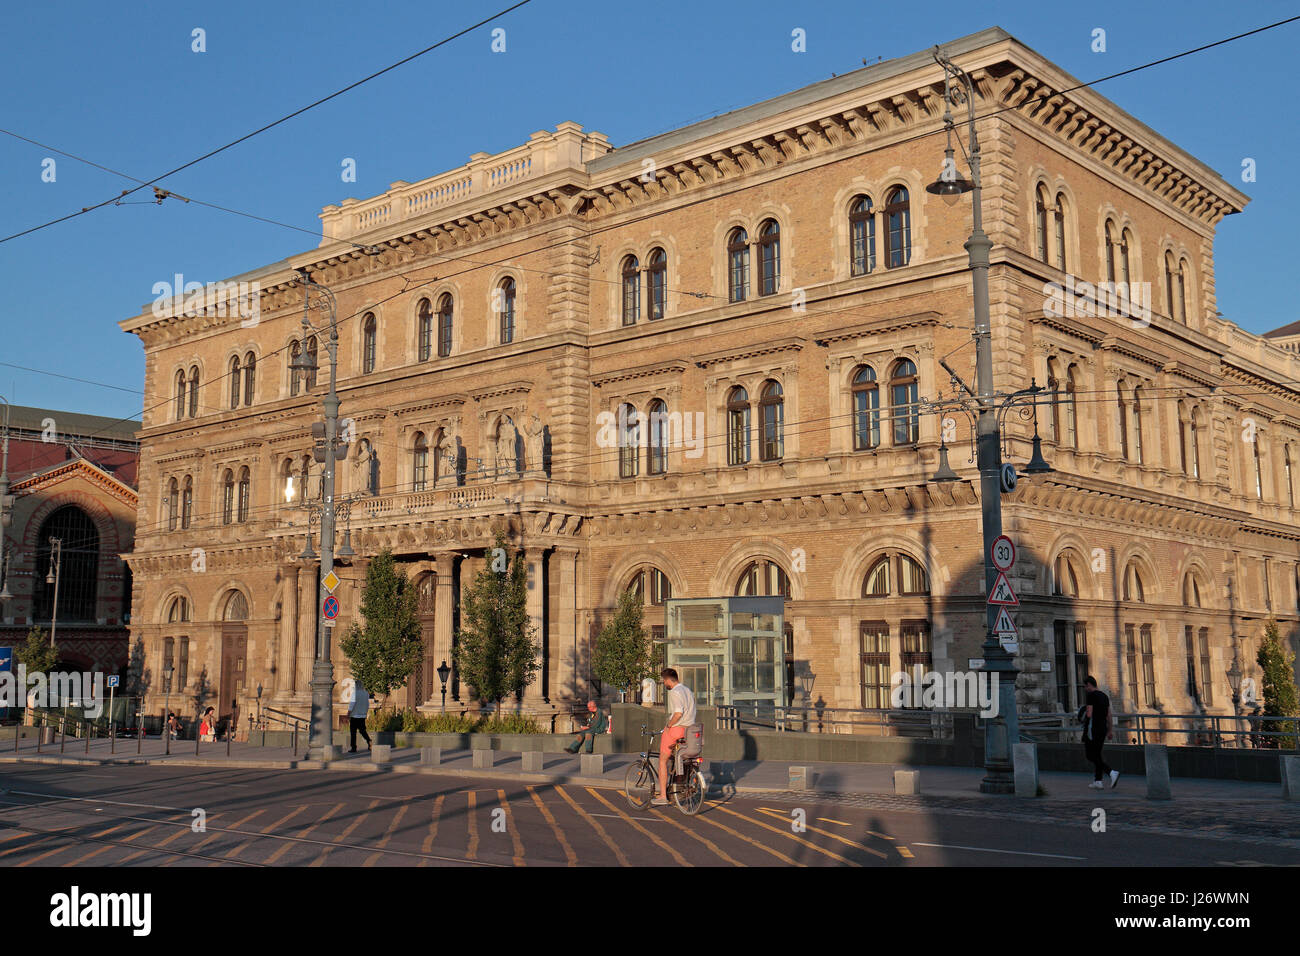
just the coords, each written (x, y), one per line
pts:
(442, 621)
(564, 641)
(288, 636)
(535, 558)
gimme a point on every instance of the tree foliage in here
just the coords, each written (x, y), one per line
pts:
(1279, 688)
(385, 646)
(496, 649)
(624, 654)
(38, 654)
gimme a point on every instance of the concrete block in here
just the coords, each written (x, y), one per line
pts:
(801, 778)
(592, 765)
(1157, 769)
(381, 753)
(484, 759)
(430, 756)
(1290, 767)
(1025, 758)
(533, 761)
(907, 782)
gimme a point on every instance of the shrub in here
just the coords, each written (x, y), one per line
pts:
(384, 721)
(508, 724)
(449, 724)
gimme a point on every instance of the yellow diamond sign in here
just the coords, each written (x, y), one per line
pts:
(331, 582)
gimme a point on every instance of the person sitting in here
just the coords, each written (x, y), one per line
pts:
(596, 720)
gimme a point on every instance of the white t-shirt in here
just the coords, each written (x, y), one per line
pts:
(681, 699)
(649, 690)
(360, 702)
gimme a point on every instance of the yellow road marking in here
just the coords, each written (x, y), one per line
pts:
(286, 847)
(427, 846)
(833, 836)
(905, 852)
(472, 852)
(705, 840)
(518, 858)
(40, 838)
(681, 860)
(218, 835)
(320, 860)
(708, 818)
(48, 853)
(235, 851)
(284, 819)
(559, 834)
(785, 833)
(108, 846)
(388, 834)
(836, 822)
(595, 825)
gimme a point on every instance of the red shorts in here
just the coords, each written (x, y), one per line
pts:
(670, 735)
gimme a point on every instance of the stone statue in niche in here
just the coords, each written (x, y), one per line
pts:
(507, 452)
(533, 451)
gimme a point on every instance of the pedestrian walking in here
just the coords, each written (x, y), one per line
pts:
(357, 711)
(208, 726)
(1096, 731)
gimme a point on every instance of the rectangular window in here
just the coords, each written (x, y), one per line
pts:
(169, 646)
(874, 637)
(1207, 675)
(916, 658)
(1190, 644)
(183, 668)
(738, 435)
(1148, 668)
(1071, 641)
(1130, 646)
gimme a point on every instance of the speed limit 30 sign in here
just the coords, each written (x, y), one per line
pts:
(1003, 553)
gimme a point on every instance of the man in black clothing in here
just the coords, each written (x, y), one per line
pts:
(1096, 731)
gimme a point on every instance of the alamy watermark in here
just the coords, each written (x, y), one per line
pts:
(662, 429)
(181, 298)
(1120, 300)
(82, 689)
(953, 689)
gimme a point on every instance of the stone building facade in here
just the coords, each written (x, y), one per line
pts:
(702, 364)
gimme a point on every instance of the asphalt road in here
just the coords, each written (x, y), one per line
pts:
(146, 816)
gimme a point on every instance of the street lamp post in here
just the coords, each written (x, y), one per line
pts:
(6, 503)
(167, 698)
(443, 673)
(1003, 730)
(52, 577)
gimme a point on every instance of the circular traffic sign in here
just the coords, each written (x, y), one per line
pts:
(1008, 478)
(1003, 553)
(331, 607)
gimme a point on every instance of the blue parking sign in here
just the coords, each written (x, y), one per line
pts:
(112, 681)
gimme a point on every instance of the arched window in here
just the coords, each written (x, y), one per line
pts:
(657, 453)
(738, 265)
(1137, 426)
(911, 575)
(369, 328)
(1182, 291)
(629, 442)
(1071, 420)
(738, 427)
(1286, 470)
(769, 257)
(1054, 388)
(445, 307)
(250, 380)
(1170, 299)
(1059, 217)
(912, 578)
(313, 357)
(234, 382)
(763, 579)
(631, 290)
(862, 236)
(1123, 420)
(771, 409)
(1191, 591)
(903, 398)
(506, 319)
(1112, 247)
(1065, 582)
(1040, 222)
(304, 478)
(178, 612)
(228, 497)
(187, 502)
(180, 394)
(295, 382)
(876, 583)
(1259, 470)
(657, 277)
(1183, 426)
(194, 391)
(898, 228)
(419, 462)
(1133, 586)
(1125, 273)
(1195, 449)
(236, 608)
(651, 585)
(77, 573)
(245, 493)
(866, 409)
(424, 330)
(173, 503)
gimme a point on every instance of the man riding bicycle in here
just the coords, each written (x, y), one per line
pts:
(681, 714)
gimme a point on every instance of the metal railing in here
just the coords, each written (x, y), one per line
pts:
(827, 720)
(290, 721)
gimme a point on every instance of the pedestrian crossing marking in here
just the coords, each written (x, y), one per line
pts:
(789, 835)
(559, 834)
(361, 816)
(301, 836)
(600, 830)
(681, 860)
(436, 813)
(518, 858)
(388, 834)
(751, 841)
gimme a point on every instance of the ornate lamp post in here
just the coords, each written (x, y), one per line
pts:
(443, 673)
(52, 577)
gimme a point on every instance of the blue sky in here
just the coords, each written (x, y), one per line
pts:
(119, 84)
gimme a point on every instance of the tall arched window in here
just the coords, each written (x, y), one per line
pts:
(1125, 248)
(235, 390)
(862, 236)
(1112, 247)
(738, 265)
(419, 462)
(1137, 426)
(1286, 473)
(369, 330)
(313, 357)
(738, 426)
(1071, 419)
(250, 380)
(187, 501)
(1183, 427)
(228, 497)
(173, 503)
(1134, 590)
(866, 409)
(903, 398)
(876, 583)
(631, 290)
(1040, 222)
(911, 577)
(771, 409)
(1195, 450)
(769, 257)
(1182, 291)
(1259, 469)
(424, 330)
(1059, 217)
(1123, 420)
(1170, 299)
(651, 585)
(763, 579)
(657, 277)
(194, 391)
(236, 608)
(629, 442)
(1065, 582)
(78, 570)
(295, 379)
(445, 317)
(657, 453)
(245, 494)
(506, 319)
(1054, 388)
(898, 228)
(180, 394)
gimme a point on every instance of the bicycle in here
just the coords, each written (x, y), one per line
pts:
(686, 788)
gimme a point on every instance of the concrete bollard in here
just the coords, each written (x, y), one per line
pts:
(907, 783)
(381, 753)
(1025, 757)
(430, 756)
(592, 765)
(1157, 769)
(1290, 767)
(801, 778)
(533, 761)
(484, 759)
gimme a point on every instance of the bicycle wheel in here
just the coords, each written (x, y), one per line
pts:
(639, 785)
(689, 796)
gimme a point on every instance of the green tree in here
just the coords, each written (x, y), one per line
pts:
(1279, 689)
(496, 651)
(385, 650)
(624, 654)
(38, 655)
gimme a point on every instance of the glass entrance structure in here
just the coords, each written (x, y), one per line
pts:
(728, 650)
